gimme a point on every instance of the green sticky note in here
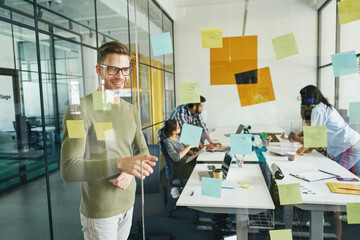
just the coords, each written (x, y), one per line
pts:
(189, 93)
(211, 37)
(75, 128)
(284, 234)
(353, 213)
(349, 11)
(290, 194)
(100, 101)
(285, 46)
(104, 131)
(211, 187)
(315, 136)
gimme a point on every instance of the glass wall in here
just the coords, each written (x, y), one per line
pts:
(47, 64)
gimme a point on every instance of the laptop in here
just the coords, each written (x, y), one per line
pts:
(189, 159)
(238, 131)
(224, 167)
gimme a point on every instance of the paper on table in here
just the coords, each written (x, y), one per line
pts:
(211, 37)
(190, 135)
(100, 101)
(211, 187)
(289, 194)
(161, 44)
(240, 143)
(104, 131)
(353, 213)
(284, 234)
(344, 63)
(315, 136)
(349, 11)
(75, 128)
(285, 46)
(189, 92)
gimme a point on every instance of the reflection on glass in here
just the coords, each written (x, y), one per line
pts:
(169, 95)
(155, 28)
(168, 58)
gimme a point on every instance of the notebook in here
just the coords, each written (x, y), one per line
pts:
(189, 159)
(344, 188)
(238, 131)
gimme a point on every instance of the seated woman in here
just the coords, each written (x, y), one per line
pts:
(342, 141)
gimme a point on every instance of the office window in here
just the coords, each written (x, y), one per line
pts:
(155, 28)
(168, 58)
(328, 32)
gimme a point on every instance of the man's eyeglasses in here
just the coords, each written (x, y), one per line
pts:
(115, 70)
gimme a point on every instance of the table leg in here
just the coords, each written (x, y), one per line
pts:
(288, 216)
(316, 225)
(242, 226)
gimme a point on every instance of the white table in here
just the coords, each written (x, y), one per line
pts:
(239, 201)
(324, 199)
(211, 157)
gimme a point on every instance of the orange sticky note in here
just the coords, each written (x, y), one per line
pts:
(104, 131)
(260, 92)
(75, 128)
(238, 54)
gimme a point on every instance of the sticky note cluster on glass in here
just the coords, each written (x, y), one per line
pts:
(75, 128)
(283, 234)
(100, 101)
(189, 93)
(211, 37)
(285, 46)
(290, 194)
(240, 143)
(349, 11)
(190, 135)
(315, 136)
(161, 44)
(104, 131)
(344, 63)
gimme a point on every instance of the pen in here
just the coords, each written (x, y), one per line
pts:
(192, 193)
(327, 172)
(228, 187)
(352, 189)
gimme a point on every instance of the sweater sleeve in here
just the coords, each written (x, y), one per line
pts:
(170, 148)
(73, 166)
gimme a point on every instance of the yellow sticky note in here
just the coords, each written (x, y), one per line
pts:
(315, 136)
(247, 186)
(285, 46)
(284, 234)
(75, 128)
(104, 131)
(100, 101)
(189, 92)
(290, 194)
(211, 37)
(353, 213)
(349, 11)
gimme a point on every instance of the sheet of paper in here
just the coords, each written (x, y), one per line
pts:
(189, 92)
(349, 11)
(285, 46)
(240, 143)
(315, 136)
(344, 63)
(191, 135)
(289, 194)
(104, 131)
(75, 128)
(238, 54)
(100, 101)
(354, 113)
(211, 37)
(353, 213)
(161, 44)
(261, 92)
(283, 234)
(211, 187)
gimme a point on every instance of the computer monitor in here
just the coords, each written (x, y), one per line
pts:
(240, 128)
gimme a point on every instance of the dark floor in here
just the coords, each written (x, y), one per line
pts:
(24, 215)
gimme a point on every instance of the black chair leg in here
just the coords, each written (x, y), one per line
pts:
(197, 219)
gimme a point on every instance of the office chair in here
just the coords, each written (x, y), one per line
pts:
(154, 204)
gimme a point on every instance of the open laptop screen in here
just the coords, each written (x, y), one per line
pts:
(226, 164)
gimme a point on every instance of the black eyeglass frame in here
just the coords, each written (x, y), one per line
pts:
(117, 70)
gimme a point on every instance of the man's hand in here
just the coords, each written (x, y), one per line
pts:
(122, 181)
(132, 165)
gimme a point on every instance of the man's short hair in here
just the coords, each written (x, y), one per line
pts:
(202, 100)
(111, 47)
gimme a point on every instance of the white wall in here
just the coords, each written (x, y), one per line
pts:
(266, 19)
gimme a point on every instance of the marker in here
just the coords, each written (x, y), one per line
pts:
(228, 187)
(352, 189)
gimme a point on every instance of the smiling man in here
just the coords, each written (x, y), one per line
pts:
(102, 158)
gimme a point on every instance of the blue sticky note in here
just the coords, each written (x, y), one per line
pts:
(161, 44)
(211, 187)
(344, 63)
(240, 143)
(190, 135)
(354, 113)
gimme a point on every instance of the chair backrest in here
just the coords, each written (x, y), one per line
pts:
(151, 183)
(173, 171)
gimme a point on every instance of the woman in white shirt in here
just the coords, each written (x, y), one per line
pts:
(343, 143)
